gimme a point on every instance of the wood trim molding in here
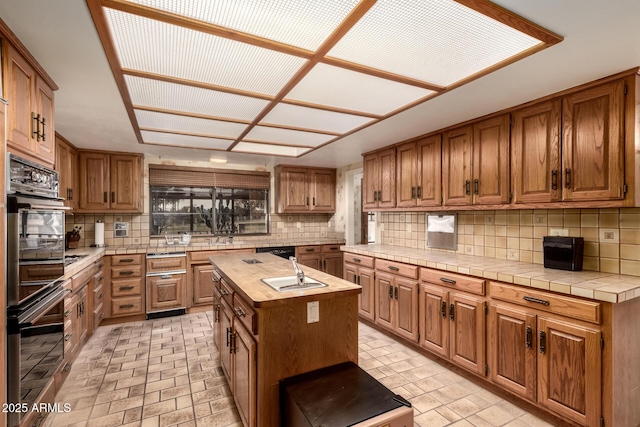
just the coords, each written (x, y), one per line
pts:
(6, 33)
(185, 133)
(66, 141)
(209, 170)
(188, 114)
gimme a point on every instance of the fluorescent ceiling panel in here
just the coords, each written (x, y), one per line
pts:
(268, 149)
(354, 91)
(153, 46)
(287, 136)
(174, 140)
(172, 96)
(439, 42)
(313, 118)
(151, 119)
(301, 23)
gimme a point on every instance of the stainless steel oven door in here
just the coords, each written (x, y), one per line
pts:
(35, 347)
(35, 247)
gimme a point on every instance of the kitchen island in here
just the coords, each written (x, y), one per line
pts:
(265, 335)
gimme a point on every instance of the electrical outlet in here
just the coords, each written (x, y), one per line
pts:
(559, 232)
(313, 312)
(539, 219)
(391, 241)
(290, 218)
(488, 219)
(468, 250)
(513, 254)
(609, 235)
(401, 218)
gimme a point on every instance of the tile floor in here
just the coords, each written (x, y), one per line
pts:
(165, 372)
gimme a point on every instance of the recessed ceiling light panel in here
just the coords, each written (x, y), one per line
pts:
(268, 149)
(436, 41)
(301, 23)
(161, 138)
(287, 136)
(313, 118)
(172, 96)
(156, 47)
(354, 91)
(152, 119)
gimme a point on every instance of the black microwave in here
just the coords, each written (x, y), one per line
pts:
(563, 253)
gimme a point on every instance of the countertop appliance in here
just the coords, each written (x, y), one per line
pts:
(165, 279)
(35, 267)
(563, 253)
(282, 251)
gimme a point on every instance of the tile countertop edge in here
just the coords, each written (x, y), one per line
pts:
(90, 256)
(607, 287)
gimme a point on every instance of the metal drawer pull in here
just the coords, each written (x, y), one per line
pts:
(375, 196)
(105, 197)
(419, 192)
(396, 292)
(101, 315)
(392, 268)
(228, 331)
(309, 249)
(67, 337)
(126, 260)
(536, 300)
(100, 279)
(113, 197)
(216, 308)
(413, 193)
(126, 288)
(357, 260)
(390, 292)
(224, 292)
(215, 280)
(126, 273)
(529, 337)
(446, 280)
(467, 187)
(67, 367)
(165, 276)
(240, 312)
(475, 186)
(567, 178)
(543, 342)
(554, 179)
(444, 309)
(232, 346)
(100, 266)
(100, 296)
(67, 313)
(126, 306)
(451, 312)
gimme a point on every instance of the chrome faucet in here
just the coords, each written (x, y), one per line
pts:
(298, 271)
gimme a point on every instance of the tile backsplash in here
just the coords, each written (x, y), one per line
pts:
(612, 236)
(283, 227)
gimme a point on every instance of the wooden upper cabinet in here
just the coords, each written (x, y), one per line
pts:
(379, 180)
(67, 167)
(456, 166)
(30, 125)
(535, 153)
(593, 143)
(429, 192)
(406, 175)
(302, 190)
(491, 161)
(125, 178)
(110, 182)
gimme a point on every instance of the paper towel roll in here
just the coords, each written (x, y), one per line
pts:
(99, 233)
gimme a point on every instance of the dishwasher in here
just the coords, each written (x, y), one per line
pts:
(166, 284)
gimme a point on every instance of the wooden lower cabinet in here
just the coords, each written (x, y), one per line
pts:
(397, 304)
(243, 362)
(362, 276)
(165, 292)
(326, 258)
(226, 318)
(202, 285)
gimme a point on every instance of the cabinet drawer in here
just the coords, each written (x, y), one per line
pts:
(358, 259)
(126, 306)
(133, 259)
(246, 314)
(126, 271)
(452, 280)
(68, 337)
(80, 279)
(301, 250)
(98, 295)
(126, 287)
(410, 271)
(226, 291)
(166, 264)
(545, 301)
(329, 249)
(98, 315)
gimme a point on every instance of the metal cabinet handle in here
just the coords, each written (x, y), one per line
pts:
(228, 332)
(475, 186)
(536, 300)
(224, 292)
(543, 342)
(67, 313)
(125, 288)
(100, 279)
(101, 316)
(113, 197)
(446, 280)
(240, 312)
(123, 260)
(396, 292)
(126, 273)
(451, 312)
(215, 279)
(413, 192)
(105, 197)
(71, 192)
(391, 267)
(126, 306)
(443, 309)
(216, 308)
(529, 337)
(467, 187)
(358, 280)
(165, 276)
(307, 201)
(554, 179)
(100, 296)
(309, 249)
(567, 178)
(379, 195)
(67, 337)
(375, 196)
(390, 292)
(67, 367)
(324, 263)
(232, 341)
(419, 192)
(314, 201)
(44, 123)
(357, 260)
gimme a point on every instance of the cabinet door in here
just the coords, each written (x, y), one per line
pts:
(244, 374)
(332, 264)
(217, 333)
(456, 166)
(225, 349)
(384, 287)
(367, 297)
(513, 353)
(202, 284)
(125, 175)
(294, 193)
(491, 161)
(535, 153)
(20, 81)
(370, 181)
(313, 260)
(94, 181)
(83, 325)
(429, 192)
(165, 292)
(322, 186)
(406, 175)
(593, 143)
(387, 190)
(45, 144)
(434, 323)
(406, 313)
(67, 167)
(467, 332)
(570, 370)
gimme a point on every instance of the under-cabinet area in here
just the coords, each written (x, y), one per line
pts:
(557, 351)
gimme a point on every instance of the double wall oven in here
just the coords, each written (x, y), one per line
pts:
(35, 269)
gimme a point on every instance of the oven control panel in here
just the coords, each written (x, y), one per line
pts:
(29, 178)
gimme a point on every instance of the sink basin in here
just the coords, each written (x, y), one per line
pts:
(290, 283)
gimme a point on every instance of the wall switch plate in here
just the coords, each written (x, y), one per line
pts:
(313, 312)
(559, 232)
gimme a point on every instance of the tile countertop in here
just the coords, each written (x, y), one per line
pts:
(598, 286)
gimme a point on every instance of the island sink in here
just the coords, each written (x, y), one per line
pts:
(290, 283)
